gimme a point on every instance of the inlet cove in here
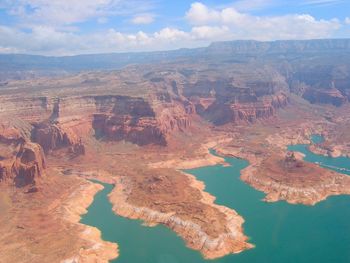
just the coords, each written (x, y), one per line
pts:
(280, 232)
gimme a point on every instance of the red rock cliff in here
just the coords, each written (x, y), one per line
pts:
(326, 96)
(137, 121)
(22, 162)
(224, 112)
(52, 136)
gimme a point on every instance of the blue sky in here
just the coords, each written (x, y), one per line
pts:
(68, 27)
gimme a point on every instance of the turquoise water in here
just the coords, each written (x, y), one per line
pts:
(282, 233)
(317, 138)
(339, 164)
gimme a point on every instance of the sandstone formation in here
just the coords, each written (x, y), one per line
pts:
(211, 246)
(203, 157)
(52, 137)
(336, 135)
(130, 119)
(296, 181)
(45, 224)
(22, 163)
(284, 175)
(331, 96)
(237, 112)
(137, 121)
(64, 122)
(290, 162)
(29, 165)
(166, 112)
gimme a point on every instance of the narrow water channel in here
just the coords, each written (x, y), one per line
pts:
(281, 232)
(339, 164)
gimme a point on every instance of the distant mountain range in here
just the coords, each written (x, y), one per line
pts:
(13, 64)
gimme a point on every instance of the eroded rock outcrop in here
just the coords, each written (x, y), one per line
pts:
(325, 96)
(140, 131)
(29, 165)
(137, 121)
(245, 111)
(232, 240)
(22, 162)
(65, 121)
(295, 181)
(52, 136)
(290, 162)
(130, 119)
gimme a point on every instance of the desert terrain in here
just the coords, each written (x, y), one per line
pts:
(140, 126)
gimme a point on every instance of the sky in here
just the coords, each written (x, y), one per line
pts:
(70, 27)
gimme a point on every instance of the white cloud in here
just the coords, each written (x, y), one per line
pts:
(347, 20)
(208, 24)
(170, 34)
(143, 19)
(211, 33)
(48, 41)
(200, 14)
(41, 39)
(244, 26)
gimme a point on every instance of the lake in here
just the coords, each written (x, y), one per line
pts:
(281, 232)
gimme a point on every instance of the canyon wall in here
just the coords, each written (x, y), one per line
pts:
(321, 66)
(170, 101)
(331, 96)
(238, 99)
(65, 122)
(245, 112)
(22, 163)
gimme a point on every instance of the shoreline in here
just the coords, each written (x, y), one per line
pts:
(282, 191)
(284, 188)
(191, 163)
(236, 239)
(73, 209)
(195, 238)
(231, 242)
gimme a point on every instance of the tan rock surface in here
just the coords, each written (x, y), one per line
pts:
(231, 241)
(137, 127)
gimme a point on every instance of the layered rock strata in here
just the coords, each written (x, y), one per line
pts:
(307, 184)
(221, 112)
(325, 96)
(231, 241)
(22, 162)
(287, 178)
(52, 136)
(64, 122)
(137, 121)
